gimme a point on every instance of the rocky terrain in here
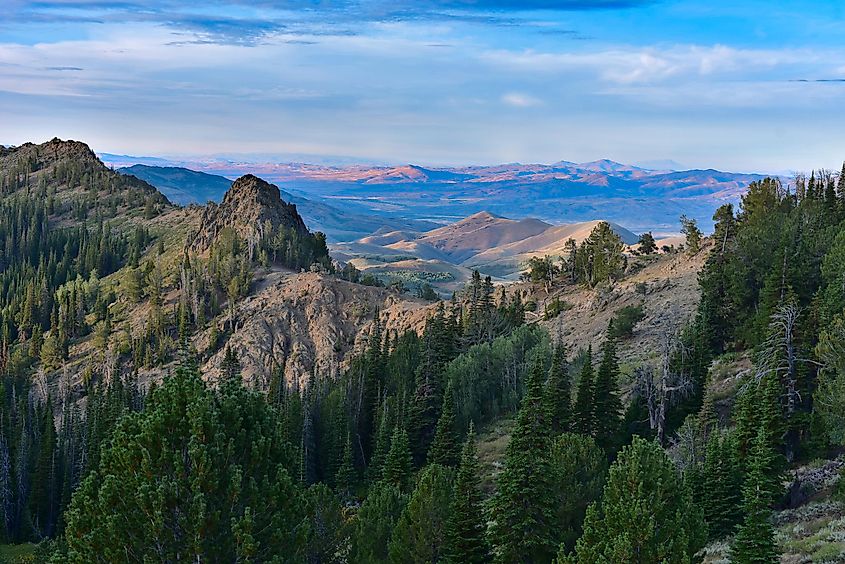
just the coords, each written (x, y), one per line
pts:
(248, 207)
(306, 325)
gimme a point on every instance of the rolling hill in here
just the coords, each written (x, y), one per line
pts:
(445, 257)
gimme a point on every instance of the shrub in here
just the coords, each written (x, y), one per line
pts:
(555, 308)
(625, 319)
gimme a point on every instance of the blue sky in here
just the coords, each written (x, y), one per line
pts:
(745, 85)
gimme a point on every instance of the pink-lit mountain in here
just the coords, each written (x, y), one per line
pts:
(561, 192)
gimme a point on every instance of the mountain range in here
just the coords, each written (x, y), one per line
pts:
(562, 192)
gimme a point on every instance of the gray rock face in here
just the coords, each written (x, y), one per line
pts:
(249, 207)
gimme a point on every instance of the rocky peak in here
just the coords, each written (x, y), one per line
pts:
(53, 151)
(247, 207)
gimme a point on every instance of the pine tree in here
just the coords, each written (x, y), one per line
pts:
(840, 188)
(557, 395)
(198, 475)
(44, 499)
(381, 444)
(419, 536)
(645, 513)
(607, 407)
(444, 449)
(398, 464)
(647, 243)
(579, 471)
(374, 523)
(582, 413)
(328, 531)
(755, 542)
(345, 477)
(466, 542)
(523, 511)
(720, 486)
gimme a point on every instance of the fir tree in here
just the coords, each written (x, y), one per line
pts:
(579, 471)
(444, 449)
(375, 522)
(582, 413)
(721, 481)
(398, 464)
(607, 407)
(345, 477)
(755, 542)
(557, 395)
(466, 542)
(419, 536)
(523, 511)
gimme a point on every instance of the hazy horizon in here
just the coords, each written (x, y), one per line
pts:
(739, 86)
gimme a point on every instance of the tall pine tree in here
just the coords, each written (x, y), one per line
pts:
(466, 542)
(755, 539)
(444, 449)
(582, 412)
(558, 392)
(607, 407)
(523, 511)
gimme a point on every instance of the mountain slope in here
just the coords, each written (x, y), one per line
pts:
(181, 185)
(445, 257)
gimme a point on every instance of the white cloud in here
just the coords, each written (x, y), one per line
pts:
(520, 100)
(654, 64)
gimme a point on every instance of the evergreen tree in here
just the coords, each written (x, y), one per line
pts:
(523, 511)
(43, 498)
(444, 449)
(607, 407)
(689, 227)
(375, 522)
(419, 536)
(198, 475)
(328, 531)
(721, 481)
(345, 477)
(557, 395)
(645, 513)
(582, 412)
(579, 470)
(466, 542)
(398, 464)
(755, 542)
(647, 244)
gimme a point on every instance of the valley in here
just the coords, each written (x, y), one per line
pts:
(475, 322)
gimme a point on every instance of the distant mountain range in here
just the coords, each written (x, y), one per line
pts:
(184, 187)
(642, 199)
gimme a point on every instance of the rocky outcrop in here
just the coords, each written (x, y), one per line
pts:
(39, 156)
(308, 324)
(247, 207)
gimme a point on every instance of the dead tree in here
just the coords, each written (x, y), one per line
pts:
(780, 356)
(664, 386)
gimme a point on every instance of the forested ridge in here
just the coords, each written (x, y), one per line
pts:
(605, 461)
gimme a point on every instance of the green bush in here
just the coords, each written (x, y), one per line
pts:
(555, 308)
(625, 319)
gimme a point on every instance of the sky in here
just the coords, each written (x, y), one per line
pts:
(741, 85)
